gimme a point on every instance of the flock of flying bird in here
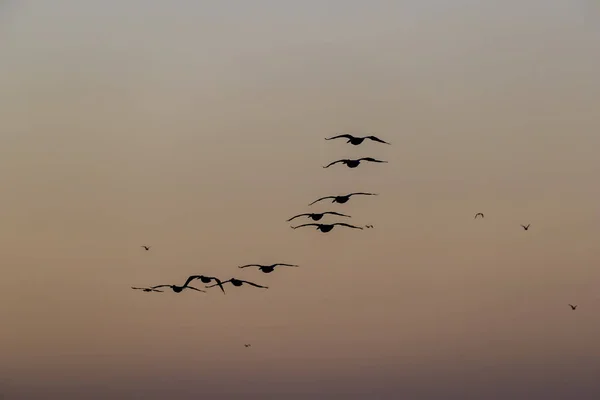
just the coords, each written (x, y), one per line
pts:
(314, 216)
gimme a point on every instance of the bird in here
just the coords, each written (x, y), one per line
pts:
(146, 289)
(354, 163)
(526, 227)
(146, 247)
(573, 307)
(342, 198)
(318, 216)
(247, 345)
(238, 283)
(368, 226)
(178, 289)
(204, 279)
(267, 268)
(476, 215)
(357, 140)
(327, 227)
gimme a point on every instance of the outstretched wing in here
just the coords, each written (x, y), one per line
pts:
(296, 216)
(336, 213)
(322, 198)
(251, 265)
(159, 286)
(139, 288)
(219, 284)
(255, 285)
(300, 226)
(335, 162)
(376, 139)
(371, 159)
(193, 288)
(349, 226)
(346, 135)
(284, 265)
(366, 194)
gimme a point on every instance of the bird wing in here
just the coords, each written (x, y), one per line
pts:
(336, 213)
(284, 265)
(220, 284)
(159, 286)
(349, 226)
(376, 139)
(300, 226)
(322, 198)
(251, 265)
(335, 162)
(191, 278)
(193, 288)
(138, 288)
(296, 216)
(366, 194)
(255, 285)
(371, 159)
(345, 135)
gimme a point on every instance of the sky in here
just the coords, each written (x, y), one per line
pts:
(198, 128)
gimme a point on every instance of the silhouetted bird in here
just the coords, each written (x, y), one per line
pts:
(178, 289)
(238, 283)
(318, 216)
(354, 163)
(267, 268)
(146, 247)
(478, 214)
(357, 140)
(204, 279)
(146, 289)
(247, 345)
(342, 199)
(526, 227)
(573, 307)
(327, 227)
(368, 226)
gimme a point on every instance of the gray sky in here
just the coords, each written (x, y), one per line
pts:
(197, 128)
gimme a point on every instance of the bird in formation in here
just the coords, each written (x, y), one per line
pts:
(353, 163)
(204, 279)
(573, 307)
(478, 214)
(178, 289)
(342, 198)
(146, 247)
(318, 216)
(526, 227)
(327, 227)
(146, 289)
(238, 283)
(247, 345)
(355, 140)
(267, 268)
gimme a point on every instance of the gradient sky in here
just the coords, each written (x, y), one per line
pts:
(197, 128)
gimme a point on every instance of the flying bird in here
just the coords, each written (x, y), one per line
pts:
(327, 227)
(343, 198)
(478, 214)
(526, 227)
(204, 279)
(146, 289)
(573, 307)
(318, 216)
(357, 140)
(368, 226)
(146, 247)
(238, 283)
(247, 345)
(178, 289)
(354, 163)
(267, 268)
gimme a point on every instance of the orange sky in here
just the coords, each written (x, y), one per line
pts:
(198, 129)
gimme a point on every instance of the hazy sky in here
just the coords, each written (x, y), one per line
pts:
(197, 128)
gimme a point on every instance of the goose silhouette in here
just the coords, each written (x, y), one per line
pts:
(267, 268)
(353, 163)
(341, 199)
(204, 279)
(238, 283)
(478, 214)
(355, 140)
(178, 289)
(327, 227)
(318, 216)
(526, 227)
(146, 289)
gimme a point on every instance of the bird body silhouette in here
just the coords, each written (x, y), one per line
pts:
(318, 216)
(355, 140)
(267, 268)
(526, 227)
(146, 289)
(204, 279)
(353, 163)
(238, 283)
(327, 227)
(478, 214)
(247, 345)
(146, 247)
(342, 198)
(573, 307)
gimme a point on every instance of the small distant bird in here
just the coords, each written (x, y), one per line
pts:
(267, 268)
(238, 283)
(178, 289)
(368, 226)
(526, 227)
(146, 247)
(247, 345)
(478, 214)
(327, 227)
(204, 279)
(318, 216)
(357, 140)
(573, 307)
(350, 163)
(343, 198)
(146, 289)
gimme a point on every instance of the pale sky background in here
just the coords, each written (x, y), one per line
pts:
(197, 127)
